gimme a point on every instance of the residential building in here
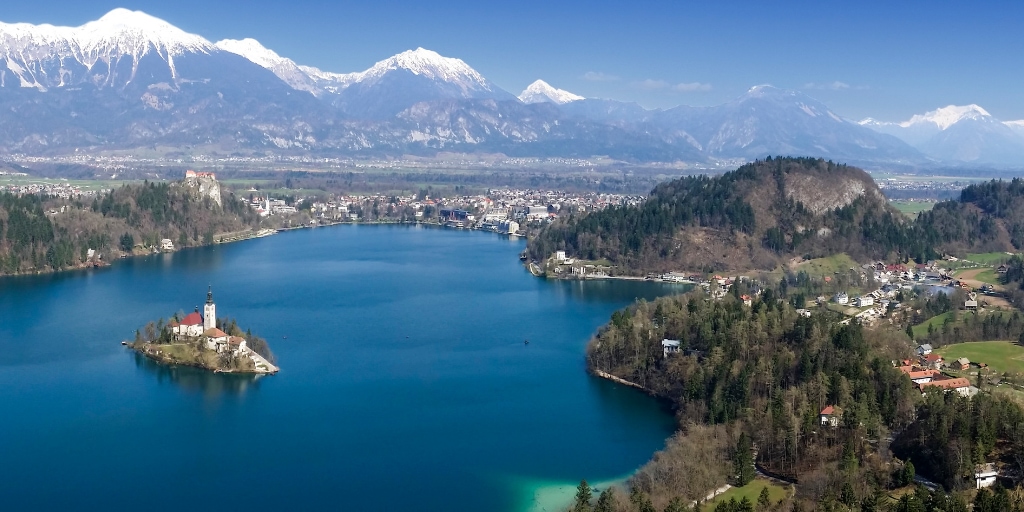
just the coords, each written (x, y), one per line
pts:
(985, 475)
(829, 416)
(670, 346)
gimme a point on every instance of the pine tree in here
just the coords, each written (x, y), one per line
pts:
(910, 332)
(583, 495)
(743, 461)
(764, 501)
(606, 501)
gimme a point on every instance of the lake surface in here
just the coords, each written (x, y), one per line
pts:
(405, 382)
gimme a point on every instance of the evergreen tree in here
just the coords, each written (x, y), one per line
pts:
(583, 495)
(764, 501)
(743, 461)
(910, 332)
(605, 501)
(127, 242)
(676, 505)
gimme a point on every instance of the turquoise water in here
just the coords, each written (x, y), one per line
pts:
(405, 382)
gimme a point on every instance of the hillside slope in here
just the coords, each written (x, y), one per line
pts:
(988, 217)
(43, 234)
(755, 217)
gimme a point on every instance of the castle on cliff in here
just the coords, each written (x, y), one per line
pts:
(205, 183)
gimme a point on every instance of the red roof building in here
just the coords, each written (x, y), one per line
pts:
(193, 318)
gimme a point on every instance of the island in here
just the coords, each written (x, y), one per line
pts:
(200, 341)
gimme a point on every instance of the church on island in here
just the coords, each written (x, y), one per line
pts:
(204, 326)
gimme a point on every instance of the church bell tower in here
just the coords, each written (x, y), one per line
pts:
(209, 311)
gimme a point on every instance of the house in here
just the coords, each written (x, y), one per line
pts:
(236, 344)
(166, 245)
(829, 416)
(842, 298)
(216, 339)
(961, 364)
(961, 385)
(985, 475)
(932, 361)
(1002, 269)
(670, 347)
(864, 301)
(919, 375)
(924, 350)
(747, 300)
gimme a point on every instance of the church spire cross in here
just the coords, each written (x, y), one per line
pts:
(209, 295)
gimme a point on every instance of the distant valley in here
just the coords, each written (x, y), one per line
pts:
(129, 81)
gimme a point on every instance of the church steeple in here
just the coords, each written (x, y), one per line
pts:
(209, 311)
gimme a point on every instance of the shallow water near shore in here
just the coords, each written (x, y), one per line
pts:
(405, 381)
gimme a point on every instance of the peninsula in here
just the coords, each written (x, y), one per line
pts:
(203, 342)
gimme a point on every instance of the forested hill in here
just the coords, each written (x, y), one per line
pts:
(39, 234)
(754, 217)
(988, 217)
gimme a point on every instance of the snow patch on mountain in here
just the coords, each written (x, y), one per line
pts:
(540, 92)
(948, 116)
(428, 64)
(285, 69)
(27, 49)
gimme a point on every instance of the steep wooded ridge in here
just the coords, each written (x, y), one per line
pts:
(39, 234)
(755, 217)
(988, 217)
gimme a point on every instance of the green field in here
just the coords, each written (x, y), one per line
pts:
(987, 276)
(921, 329)
(912, 208)
(82, 184)
(1001, 356)
(988, 258)
(828, 266)
(751, 491)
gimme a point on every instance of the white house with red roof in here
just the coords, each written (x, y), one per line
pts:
(829, 416)
(191, 326)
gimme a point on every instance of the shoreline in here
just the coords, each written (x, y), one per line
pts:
(230, 239)
(161, 358)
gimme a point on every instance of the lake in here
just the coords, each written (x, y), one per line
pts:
(405, 381)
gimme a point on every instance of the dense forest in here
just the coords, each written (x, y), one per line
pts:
(766, 212)
(753, 217)
(48, 233)
(756, 378)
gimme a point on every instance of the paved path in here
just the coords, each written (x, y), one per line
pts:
(262, 362)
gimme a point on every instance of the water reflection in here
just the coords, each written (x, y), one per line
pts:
(612, 290)
(194, 380)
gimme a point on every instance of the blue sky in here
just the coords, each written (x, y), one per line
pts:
(887, 60)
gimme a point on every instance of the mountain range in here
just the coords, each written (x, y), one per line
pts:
(129, 80)
(961, 134)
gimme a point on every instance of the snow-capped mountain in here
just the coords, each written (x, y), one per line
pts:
(111, 51)
(967, 134)
(771, 121)
(285, 69)
(540, 91)
(401, 81)
(129, 80)
(1016, 126)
